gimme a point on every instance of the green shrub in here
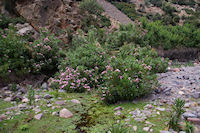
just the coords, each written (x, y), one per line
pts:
(147, 56)
(176, 114)
(128, 9)
(169, 37)
(31, 95)
(91, 6)
(126, 78)
(45, 53)
(14, 55)
(126, 34)
(189, 128)
(184, 2)
(92, 13)
(157, 3)
(5, 21)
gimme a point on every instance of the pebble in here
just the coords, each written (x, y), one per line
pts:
(47, 96)
(75, 101)
(194, 120)
(118, 108)
(38, 116)
(118, 113)
(7, 99)
(146, 129)
(189, 115)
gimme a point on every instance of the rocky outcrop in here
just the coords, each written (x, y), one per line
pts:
(50, 14)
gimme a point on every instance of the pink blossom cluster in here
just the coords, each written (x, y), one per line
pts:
(73, 79)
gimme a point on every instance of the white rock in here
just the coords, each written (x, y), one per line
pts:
(75, 101)
(7, 99)
(65, 113)
(160, 109)
(146, 129)
(38, 116)
(25, 100)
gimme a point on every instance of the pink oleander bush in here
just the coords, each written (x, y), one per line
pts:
(126, 79)
(76, 80)
(45, 52)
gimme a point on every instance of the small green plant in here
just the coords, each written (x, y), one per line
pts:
(189, 128)
(55, 93)
(13, 87)
(118, 129)
(31, 95)
(24, 127)
(176, 116)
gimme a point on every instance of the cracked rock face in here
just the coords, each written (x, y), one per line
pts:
(50, 14)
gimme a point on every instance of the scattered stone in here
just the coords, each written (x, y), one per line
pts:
(37, 110)
(118, 113)
(7, 99)
(55, 113)
(135, 128)
(148, 106)
(176, 70)
(181, 92)
(140, 119)
(196, 95)
(22, 107)
(61, 91)
(60, 102)
(44, 86)
(118, 108)
(187, 105)
(146, 129)
(75, 101)
(189, 115)
(194, 120)
(47, 96)
(38, 116)
(49, 105)
(65, 113)
(160, 109)
(25, 100)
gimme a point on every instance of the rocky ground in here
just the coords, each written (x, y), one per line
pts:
(176, 83)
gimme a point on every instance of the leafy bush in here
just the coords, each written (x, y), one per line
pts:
(157, 3)
(184, 2)
(146, 55)
(189, 128)
(93, 15)
(176, 115)
(45, 53)
(91, 6)
(126, 34)
(85, 65)
(127, 8)
(124, 74)
(14, 55)
(171, 36)
(5, 21)
(126, 78)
